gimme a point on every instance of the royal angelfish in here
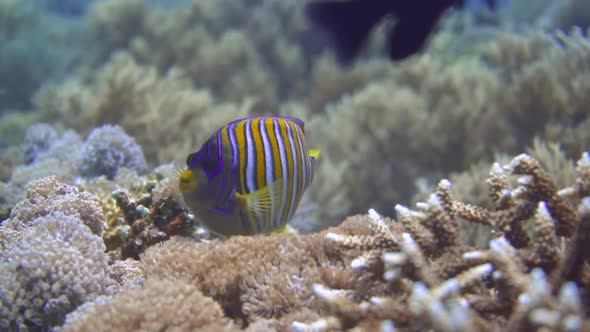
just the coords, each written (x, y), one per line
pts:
(249, 177)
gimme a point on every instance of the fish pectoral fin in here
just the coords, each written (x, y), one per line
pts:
(260, 201)
(314, 153)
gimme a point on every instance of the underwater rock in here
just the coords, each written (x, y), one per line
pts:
(144, 216)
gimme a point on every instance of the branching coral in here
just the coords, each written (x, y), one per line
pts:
(444, 285)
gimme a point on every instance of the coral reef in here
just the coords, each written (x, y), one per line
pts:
(430, 117)
(371, 271)
(446, 290)
(47, 154)
(91, 233)
(166, 71)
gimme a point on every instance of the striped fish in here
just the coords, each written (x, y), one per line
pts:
(249, 177)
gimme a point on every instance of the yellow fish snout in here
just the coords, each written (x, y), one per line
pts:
(187, 181)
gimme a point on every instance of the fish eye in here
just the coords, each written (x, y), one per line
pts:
(192, 159)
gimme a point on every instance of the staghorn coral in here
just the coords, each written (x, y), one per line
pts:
(444, 284)
(52, 267)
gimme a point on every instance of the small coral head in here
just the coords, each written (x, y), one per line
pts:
(187, 182)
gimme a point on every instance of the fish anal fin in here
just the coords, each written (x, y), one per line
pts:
(279, 230)
(260, 201)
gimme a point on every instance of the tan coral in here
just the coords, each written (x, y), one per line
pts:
(561, 211)
(427, 284)
(47, 195)
(171, 305)
(157, 110)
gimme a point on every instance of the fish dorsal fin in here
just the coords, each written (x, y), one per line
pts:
(260, 201)
(297, 121)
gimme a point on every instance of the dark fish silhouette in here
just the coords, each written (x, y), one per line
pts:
(349, 22)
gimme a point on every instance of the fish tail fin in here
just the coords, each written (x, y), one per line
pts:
(348, 22)
(314, 153)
